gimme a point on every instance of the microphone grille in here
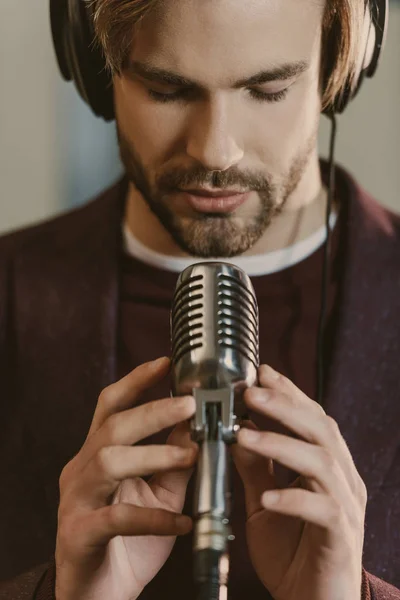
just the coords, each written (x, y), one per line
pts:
(187, 316)
(231, 322)
(237, 316)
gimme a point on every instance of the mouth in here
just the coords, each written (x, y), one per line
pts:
(204, 192)
(214, 202)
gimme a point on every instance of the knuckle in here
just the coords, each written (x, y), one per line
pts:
(104, 459)
(319, 409)
(114, 517)
(62, 480)
(66, 532)
(362, 491)
(284, 382)
(66, 475)
(107, 396)
(332, 426)
(328, 460)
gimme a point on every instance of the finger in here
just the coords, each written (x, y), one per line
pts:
(138, 423)
(113, 464)
(170, 487)
(256, 472)
(313, 462)
(310, 425)
(272, 380)
(318, 509)
(97, 528)
(125, 392)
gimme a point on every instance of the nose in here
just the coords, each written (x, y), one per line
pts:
(211, 139)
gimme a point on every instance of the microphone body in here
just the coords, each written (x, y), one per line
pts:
(215, 357)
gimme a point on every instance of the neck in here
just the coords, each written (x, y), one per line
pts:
(304, 213)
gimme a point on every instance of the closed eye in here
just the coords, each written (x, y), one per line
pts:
(180, 95)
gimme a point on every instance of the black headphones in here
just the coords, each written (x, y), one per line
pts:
(81, 61)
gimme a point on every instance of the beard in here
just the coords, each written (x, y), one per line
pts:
(213, 235)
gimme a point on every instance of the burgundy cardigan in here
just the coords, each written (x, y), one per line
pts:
(58, 322)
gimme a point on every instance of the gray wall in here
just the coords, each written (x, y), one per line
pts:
(54, 154)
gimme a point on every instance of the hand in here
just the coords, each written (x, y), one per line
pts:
(115, 531)
(308, 544)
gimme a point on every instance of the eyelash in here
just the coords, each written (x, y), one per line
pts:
(256, 95)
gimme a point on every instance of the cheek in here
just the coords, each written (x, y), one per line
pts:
(286, 127)
(148, 126)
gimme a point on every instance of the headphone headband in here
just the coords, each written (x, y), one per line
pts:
(81, 61)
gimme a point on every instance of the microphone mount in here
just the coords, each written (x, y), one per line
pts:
(223, 400)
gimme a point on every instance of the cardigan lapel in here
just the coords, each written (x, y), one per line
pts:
(363, 391)
(66, 302)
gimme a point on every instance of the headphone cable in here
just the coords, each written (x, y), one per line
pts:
(325, 268)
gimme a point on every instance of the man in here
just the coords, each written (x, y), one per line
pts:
(86, 300)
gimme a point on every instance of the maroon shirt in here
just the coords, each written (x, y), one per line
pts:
(59, 319)
(289, 309)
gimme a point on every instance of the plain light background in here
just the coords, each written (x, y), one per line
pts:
(54, 154)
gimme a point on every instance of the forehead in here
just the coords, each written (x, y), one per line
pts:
(207, 37)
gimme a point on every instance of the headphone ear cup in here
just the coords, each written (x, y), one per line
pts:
(374, 35)
(78, 58)
(380, 16)
(58, 22)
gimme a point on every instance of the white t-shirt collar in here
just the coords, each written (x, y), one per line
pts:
(257, 265)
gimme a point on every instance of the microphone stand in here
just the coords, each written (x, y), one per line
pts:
(213, 427)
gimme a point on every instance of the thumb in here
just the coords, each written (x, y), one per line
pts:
(256, 472)
(172, 485)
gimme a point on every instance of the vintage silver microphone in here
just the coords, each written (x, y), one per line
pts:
(215, 357)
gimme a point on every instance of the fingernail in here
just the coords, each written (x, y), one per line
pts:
(184, 523)
(157, 363)
(270, 372)
(270, 497)
(192, 403)
(249, 435)
(189, 402)
(260, 395)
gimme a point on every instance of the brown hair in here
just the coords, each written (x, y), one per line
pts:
(115, 20)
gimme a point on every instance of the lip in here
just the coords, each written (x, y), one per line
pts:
(215, 204)
(204, 193)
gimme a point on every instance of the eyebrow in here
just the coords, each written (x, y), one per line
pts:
(152, 73)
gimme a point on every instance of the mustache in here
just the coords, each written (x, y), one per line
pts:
(199, 177)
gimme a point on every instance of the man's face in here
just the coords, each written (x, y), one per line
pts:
(259, 144)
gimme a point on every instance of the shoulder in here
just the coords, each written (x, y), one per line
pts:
(368, 217)
(61, 230)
